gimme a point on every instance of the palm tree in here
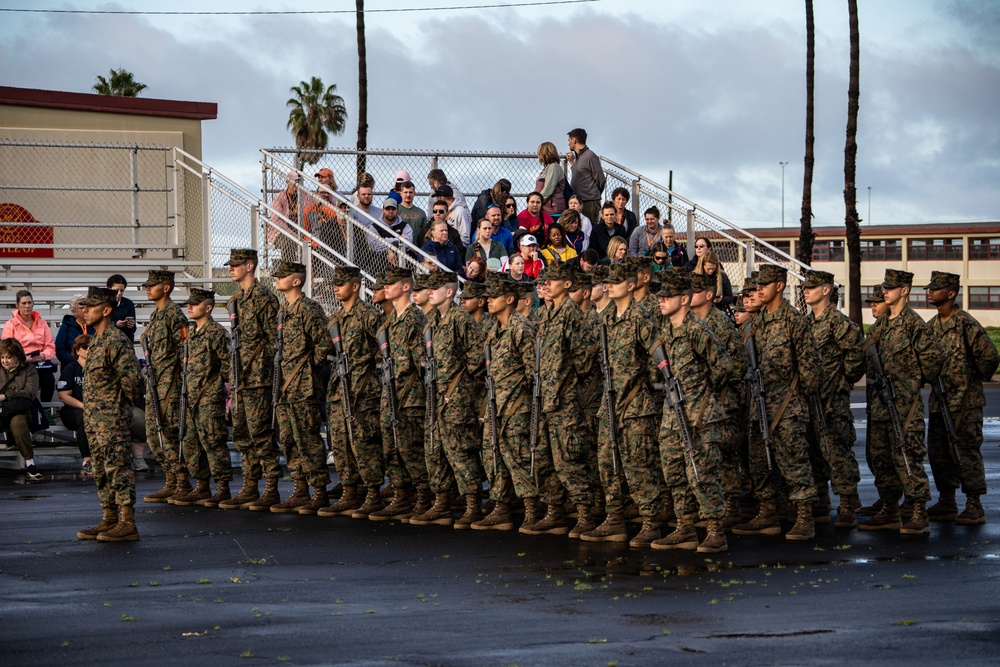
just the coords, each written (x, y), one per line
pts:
(315, 111)
(806, 235)
(850, 168)
(120, 83)
(362, 89)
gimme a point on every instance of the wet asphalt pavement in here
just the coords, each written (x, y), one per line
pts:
(233, 587)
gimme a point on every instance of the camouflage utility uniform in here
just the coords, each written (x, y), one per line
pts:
(205, 441)
(163, 335)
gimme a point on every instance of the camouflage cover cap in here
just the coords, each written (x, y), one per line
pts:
(100, 296)
(771, 273)
(701, 282)
(640, 263)
(752, 280)
(440, 278)
(747, 290)
(379, 283)
(599, 274)
(420, 282)
(878, 295)
(738, 306)
(472, 290)
(817, 279)
(941, 280)
(543, 275)
(525, 289)
(895, 278)
(655, 286)
(197, 295)
(157, 277)
(619, 273)
(501, 287)
(561, 271)
(240, 256)
(288, 268)
(342, 274)
(396, 273)
(674, 284)
(581, 281)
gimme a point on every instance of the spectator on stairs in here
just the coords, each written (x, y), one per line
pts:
(73, 326)
(71, 394)
(123, 316)
(35, 337)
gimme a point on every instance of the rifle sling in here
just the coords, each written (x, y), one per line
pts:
(517, 406)
(452, 386)
(294, 374)
(628, 401)
(917, 400)
(784, 404)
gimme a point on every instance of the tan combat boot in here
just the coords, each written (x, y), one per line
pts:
(584, 522)
(804, 528)
(945, 509)
(349, 501)
(247, 495)
(715, 538)
(733, 517)
(268, 499)
(107, 523)
(299, 497)
(821, 508)
(124, 530)
(164, 493)
(182, 487)
(319, 500)
(373, 503)
(438, 514)
(683, 537)
(612, 530)
(918, 523)
(530, 516)
(973, 513)
(202, 491)
(399, 507)
(473, 512)
(422, 504)
(765, 523)
(498, 519)
(887, 517)
(553, 523)
(221, 493)
(649, 532)
(846, 517)
(870, 510)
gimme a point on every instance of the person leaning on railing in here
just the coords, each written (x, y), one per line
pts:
(35, 337)
(71, 394)
(72, 327)
(18, 388)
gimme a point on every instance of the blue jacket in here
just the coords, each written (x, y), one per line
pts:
(68, 332)
(124, 309)
(447, 254)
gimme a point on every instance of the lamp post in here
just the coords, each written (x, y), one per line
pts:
(783, 165)
(869, 206)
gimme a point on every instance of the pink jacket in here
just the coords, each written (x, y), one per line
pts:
(36, 339)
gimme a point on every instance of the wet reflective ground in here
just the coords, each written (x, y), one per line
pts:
(207, 586)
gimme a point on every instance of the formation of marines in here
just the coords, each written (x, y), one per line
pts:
(618, 399)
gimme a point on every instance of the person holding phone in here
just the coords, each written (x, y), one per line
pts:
(123, 316)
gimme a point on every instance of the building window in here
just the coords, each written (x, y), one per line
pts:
(918, 299)
(935, 249)
(984, 249)
(882, 250)
(828, 251)
(984, 298)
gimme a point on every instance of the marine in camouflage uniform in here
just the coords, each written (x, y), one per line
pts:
(304, 350)
(970, 360)
(111, 383)
(457, 343)
(584, 285)
(643, 296)
(838, 341)
(405, 462)
(206, 433)
(473, 301)
(630, 336)
(702, 367)
(790, 366)
(163, 337)
(512, 349)
(731, 427)
(252, 409)
(910, 356)
(358, 455)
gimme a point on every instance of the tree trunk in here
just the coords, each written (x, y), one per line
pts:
(850, 168)
(806, 235)
(362, 90)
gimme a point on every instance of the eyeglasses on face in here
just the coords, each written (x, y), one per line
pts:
(440, 210)
(659, 259)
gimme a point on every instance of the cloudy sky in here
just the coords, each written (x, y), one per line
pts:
(714, 91)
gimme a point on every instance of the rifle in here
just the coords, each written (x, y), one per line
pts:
(276, 379)
(610, 399)
(675, 399)
(342, 369)
(234, 352)
(491, 409)
(536, 404)
(937, 388)
(183, 408)
(887, 394)
(430, 381)
(154, 395)
(755, 380)
(816, 407)
(389, 382)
